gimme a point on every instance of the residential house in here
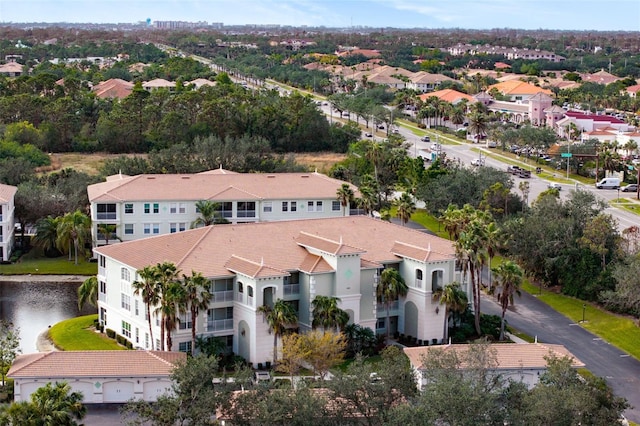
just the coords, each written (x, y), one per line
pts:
(524, 362)
(632, 91)
(7, 222)
(449, 95)
(531, 109)
(159, 83)
(101, 376)
(11, 69)
(426, 82)
(113, 88)
(600, 77)
(147, 205)
(255, 264)
(518, 90)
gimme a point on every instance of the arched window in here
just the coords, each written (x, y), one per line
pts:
(240, 287)
(249, 291)
(437, 279)
(419, 278)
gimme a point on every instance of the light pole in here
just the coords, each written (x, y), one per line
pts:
(584, 306)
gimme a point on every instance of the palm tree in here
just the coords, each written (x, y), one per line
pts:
(73, 228)
(197, 297)
(405, 206)
(148, 287)
(279, 317)
(88, 292)
(173, 303)
(345, 196)
(209, 214)
(50, 405)
(327, 314)
(454, 301)
(167, 275)
(390, 287)
(47, 235)
(472, 247)
(477, 124)
(508, 280)
(108, 231)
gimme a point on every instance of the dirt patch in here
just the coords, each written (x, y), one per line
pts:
(86, 163)
(320, 161)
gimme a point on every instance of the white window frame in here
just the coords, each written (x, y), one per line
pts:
(128, 229)
(267, 207)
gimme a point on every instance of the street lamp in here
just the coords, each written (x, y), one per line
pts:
(584, 306)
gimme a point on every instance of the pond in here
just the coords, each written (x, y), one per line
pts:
(34, 306)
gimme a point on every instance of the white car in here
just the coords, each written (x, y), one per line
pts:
(554, 185)
(477, 162)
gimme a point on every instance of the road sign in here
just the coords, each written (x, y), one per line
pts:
(566, 155)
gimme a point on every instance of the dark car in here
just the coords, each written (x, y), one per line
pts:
(630, 188)
(426, 139)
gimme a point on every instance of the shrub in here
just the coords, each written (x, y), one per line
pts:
(110, 333)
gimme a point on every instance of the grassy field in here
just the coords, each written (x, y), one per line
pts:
(36, 264)
(77, 334)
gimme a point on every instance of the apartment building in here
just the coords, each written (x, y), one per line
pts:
(148, 205)
(7, 223)
(254, 264)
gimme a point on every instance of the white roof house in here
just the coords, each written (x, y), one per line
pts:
(255, 264)
(147, 205)
(7, 221)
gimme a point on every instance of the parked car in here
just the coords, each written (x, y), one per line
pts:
(477, 162)
(631, 188)
(525, 174)
(514, 170)
(425, 139)
(368, 135)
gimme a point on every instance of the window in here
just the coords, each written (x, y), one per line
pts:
(240, 288)
(318, 206)
(419, 278)
(246, 209)
(249, 291)
(125, 301)
(125, 274)
(156, 228)
(314, 206)
(267, 206)
(185, 322)
(147, 208)
(102, 261)
(184, 347)
(137, 307)
(225, 208)
(106, 211)
(182, 208)
(126, 329)
(128, 208)
(157, 344)
(156, 208)
(182, 226)
(310, 205)
(146, 340)
(285, 206)
(137, 335)
(173, 228)
(173, 208)
(436, 280)
(294, 206)
(335, 205)
(146, 228)
(103, 287)
(128, 229)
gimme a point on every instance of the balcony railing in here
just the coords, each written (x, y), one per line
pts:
(102, 216)
(250, 300)
(246, 213)
(219, 325)
(418, 283)
(393, 306)
(240, 297)
(291, 289)
(222, 296)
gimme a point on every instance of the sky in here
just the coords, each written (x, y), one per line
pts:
(599, 15)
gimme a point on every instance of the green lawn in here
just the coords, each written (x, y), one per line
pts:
(77, 334)
(618, 330)
(430, 222)
(36, 264)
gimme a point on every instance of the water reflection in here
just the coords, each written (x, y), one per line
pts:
(34, 306)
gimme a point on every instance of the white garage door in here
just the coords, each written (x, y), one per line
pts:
(152, 390)
(26, 389)
(85, 388)
(119, 391)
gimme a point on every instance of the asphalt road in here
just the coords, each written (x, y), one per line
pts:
(535, 318)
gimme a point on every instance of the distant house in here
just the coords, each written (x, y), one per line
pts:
(159, 83)
(7, 224)
(449, 95)
(426, 82)
(113, 88)
(519, 362)
(600, 77)
(101, 376)
(200, 82)
(518, 90)
(632, 91)
(11, 69)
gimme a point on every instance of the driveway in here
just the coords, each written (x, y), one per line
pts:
(535, 318)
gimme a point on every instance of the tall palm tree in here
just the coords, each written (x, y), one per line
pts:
(73, 229)
(47, 235)
(454, 301)
(508, 278)
(109, 232)
(149, 289)
(279, 317)
(390, 287)
(209, 213)
(345, 196)
(167, 276)
(472, 245)
(197, 297)
(88, 292)
(173, 303)
(406, 207)
(327, 314)
(478, 124)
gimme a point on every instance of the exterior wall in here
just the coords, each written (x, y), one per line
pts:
(94, 390)
(7, 229)
(164, 218)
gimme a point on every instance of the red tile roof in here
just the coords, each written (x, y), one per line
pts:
(64, 364)
(7, 192)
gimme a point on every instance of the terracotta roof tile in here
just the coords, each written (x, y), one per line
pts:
(253, 269)
(7, 192)
(213, 184)
(277, 244)
(314, 264)
(508, 356)
(62, 364)
(326, 245)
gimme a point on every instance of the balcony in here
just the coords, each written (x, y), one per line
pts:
(240, 297)
(220, 325)
(393, 307)
(290, 289)
(246, 213)
(222, 296)
(106, 216)
(418, 283)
